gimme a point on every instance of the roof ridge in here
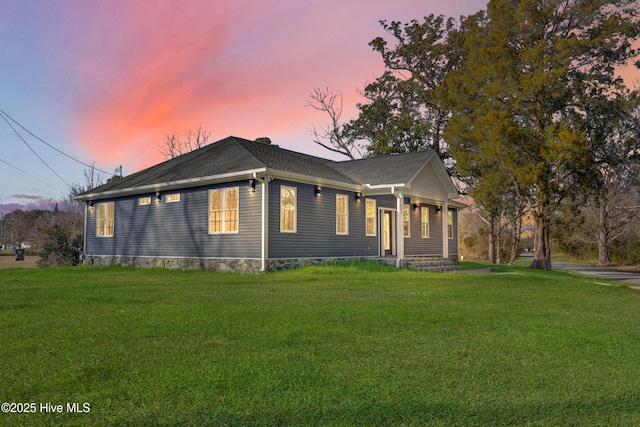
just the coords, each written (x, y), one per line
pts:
(386, 156)
(288, 151)
(240, 141)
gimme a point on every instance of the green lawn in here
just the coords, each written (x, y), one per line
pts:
(325, 346)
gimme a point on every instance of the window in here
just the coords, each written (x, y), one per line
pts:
(342, 214)
(450, 224)
(172, 198)
(224, 211)
(424, 221)
(104, 219)
(287, 209)
(405, 214)
(371, 217)
(144, 201)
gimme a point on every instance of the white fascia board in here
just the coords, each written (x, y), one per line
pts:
(173, 185)
(384, 186)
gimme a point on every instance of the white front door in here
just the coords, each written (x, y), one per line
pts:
(387, 246)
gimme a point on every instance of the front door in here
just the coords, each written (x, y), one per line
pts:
(386, 243)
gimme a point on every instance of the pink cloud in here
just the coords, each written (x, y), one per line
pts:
(245, 68)
(26, 196)
(26, 202)
(143, 83)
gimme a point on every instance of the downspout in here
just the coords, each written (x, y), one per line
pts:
(84, 236)
(445, 229)
(264, 238)
(399, 227)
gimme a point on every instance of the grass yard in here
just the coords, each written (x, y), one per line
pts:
(326, 346)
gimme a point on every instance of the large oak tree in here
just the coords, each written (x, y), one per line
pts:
(403, 112)
(519, 101)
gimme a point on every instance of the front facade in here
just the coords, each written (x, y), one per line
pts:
(238, 205)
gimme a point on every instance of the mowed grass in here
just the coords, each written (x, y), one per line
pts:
(351, 345)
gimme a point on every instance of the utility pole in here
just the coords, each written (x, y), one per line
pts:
(3, 232)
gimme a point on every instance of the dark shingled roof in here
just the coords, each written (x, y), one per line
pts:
(234, 154)
(393, 169)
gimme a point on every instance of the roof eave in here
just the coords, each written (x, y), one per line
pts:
(172, 185)
(309, 179)
(457, 204)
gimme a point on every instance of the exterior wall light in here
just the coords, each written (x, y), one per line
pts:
(318, 190)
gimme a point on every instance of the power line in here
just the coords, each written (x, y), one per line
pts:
(33, 151)
(49, 145)
(26, 173)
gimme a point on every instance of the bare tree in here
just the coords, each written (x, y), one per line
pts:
(20, 225)
(332, 136)
(176, 145)
(616, 209)
(92, 179)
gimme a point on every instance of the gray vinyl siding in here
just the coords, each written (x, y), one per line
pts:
(179, 229)
(316, 225)
(387, 202)
(416, 244)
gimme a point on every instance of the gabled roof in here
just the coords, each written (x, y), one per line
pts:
(236, 157)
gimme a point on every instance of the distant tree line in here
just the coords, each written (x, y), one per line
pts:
(57, 235)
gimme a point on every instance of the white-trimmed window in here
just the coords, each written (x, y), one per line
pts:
(172, 198)
(342, 214)
(371, 217)
(224, 210)
(406, 213)
(450, 224)
(424, 221)
(288, 211)
(104, 219)
(142, 201)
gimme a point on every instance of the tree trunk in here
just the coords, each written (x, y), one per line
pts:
(603, 236)
(542, 242)
(515, 242)
(498, 246)
(492, 238)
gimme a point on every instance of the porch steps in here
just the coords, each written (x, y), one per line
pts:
(432, 264)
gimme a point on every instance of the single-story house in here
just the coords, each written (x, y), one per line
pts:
(246, 206)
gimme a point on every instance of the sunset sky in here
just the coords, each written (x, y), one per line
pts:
(106, 81)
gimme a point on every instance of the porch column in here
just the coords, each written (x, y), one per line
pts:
(445, 230)
(399, 228)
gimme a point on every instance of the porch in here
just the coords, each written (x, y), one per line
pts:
(431, 263)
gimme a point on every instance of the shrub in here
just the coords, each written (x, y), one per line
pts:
(60, 248)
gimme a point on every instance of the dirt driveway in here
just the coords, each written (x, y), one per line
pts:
(10, 262)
